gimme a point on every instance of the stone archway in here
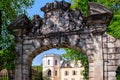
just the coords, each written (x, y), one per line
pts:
(63, 27)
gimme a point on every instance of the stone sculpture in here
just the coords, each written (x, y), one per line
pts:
(59, 17)
(36, 24)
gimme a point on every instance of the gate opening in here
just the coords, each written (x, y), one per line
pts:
(58, 64)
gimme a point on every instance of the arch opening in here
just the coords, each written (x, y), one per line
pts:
(58, 62)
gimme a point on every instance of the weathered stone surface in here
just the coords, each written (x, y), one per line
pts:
(109, 56)
(74, 39)
(61, 21)
(89, 40)
(46, 41)
(92, 74)
(117, 42)
(112, 62)
(112, 68)
(109, 50)
(118, 62)
(111, 45)
(90, 46)
(111, 74)
(111, 78)
(117, 49)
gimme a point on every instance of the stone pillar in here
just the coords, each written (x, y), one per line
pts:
(18, 72)
(98, 58)
(19, 62)
(26, 72)
(22, 72)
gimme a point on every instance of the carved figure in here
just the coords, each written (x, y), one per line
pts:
(64, 5)
(36, 23)
(55, 4)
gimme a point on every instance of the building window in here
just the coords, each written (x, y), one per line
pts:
(74, 72)
(48, 62)
(66, 73)
(67, 65)
(55, 73)
(73, 79)
(49, 73)
(55, 62)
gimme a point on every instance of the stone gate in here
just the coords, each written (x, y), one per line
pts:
(62, 27)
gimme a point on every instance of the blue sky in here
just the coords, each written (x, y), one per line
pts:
(38, 59)
(36, 10)
(37, 5)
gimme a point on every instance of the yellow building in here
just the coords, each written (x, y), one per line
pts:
(57, 69)
(70, 70)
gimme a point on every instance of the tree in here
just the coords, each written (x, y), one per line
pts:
(11, 9)
(113, 5)
(7, 58)
(38, 75)
(72, 54)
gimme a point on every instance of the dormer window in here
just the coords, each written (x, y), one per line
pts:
(67, 65)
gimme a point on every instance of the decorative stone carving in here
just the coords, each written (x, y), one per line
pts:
(36, 24)
(61, 21)
(55, 5)
(95, 8)
(60, 18)
(20, 22)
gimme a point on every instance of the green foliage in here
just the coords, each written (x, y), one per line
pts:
(7, 56)
(114, 27)
(6, 39)
(71, 54)
(11, 9)
(4, 78)
(46, 78)
(80, 4)
(38, 75)
(113, 5)
(39, 68)
(118, 73)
